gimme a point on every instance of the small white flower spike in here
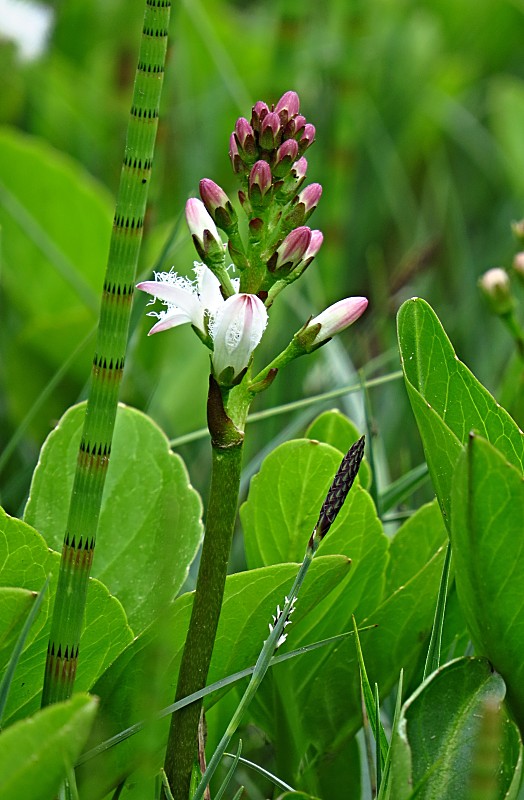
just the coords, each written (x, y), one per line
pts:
(282, 638)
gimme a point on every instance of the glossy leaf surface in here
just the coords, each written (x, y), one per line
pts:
(150, 525)
(447, 400)
(26, 563)
(37, 753)
(488, 547)
(434, 742)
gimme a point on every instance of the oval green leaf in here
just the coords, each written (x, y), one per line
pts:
(150, 523)
(488, 512)
(447, 400)
(434, 744)
(36, 754)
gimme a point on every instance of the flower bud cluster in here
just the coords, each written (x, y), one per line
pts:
(230, 314)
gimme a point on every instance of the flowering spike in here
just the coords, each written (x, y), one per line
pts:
(270, 132)
(288, 106)
(338, 491)
(236, 330)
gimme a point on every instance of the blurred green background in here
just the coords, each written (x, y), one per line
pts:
(419, 110)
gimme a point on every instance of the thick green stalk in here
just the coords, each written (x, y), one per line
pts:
(227, 441)
(108, 362)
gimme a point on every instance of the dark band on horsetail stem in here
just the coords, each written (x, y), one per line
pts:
(338, 491)
(108, 363)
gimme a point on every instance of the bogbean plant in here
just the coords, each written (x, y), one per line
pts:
(376, 637)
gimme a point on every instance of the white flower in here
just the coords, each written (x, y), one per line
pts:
(235, 326)
(185, 300)
(236, 329)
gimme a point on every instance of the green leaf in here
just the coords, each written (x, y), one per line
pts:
(36, 754)
(27, 561)
(144, 676)
(334, 428)
(488, 509)
(414, 544)
(15, 605)
(434, 742)
(150, 523)
(447, 400)
(64, 244)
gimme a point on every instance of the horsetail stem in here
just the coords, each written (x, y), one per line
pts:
(108, 362)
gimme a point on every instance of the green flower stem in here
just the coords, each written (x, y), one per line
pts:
(292, 351)
(108, 363)
(227, 439)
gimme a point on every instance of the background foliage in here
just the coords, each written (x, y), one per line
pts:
(418, 111)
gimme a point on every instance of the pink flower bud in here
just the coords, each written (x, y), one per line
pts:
(337, 318)
(213, 196)
(260, 110)
(299, 169)
(259, 180)
(314, 246)
(203, 230)
(217, 203)
(270, 133)
(285, 157)
(236, 162)
(245, 137)
(236, 330)
(293, 248)
(309, 197)
(307, 138)
(288, 106)
(295, 126)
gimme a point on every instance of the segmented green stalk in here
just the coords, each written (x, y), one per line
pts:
(108, 363)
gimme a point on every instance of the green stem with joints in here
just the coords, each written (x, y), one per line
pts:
(227, 446)
(108, 363)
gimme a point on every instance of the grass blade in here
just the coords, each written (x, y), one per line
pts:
(230, 773)
(378, 759)
(433, 657)
(369, 701)
(397, 491)
(385, 773)
(213, 687)
(280, 784)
